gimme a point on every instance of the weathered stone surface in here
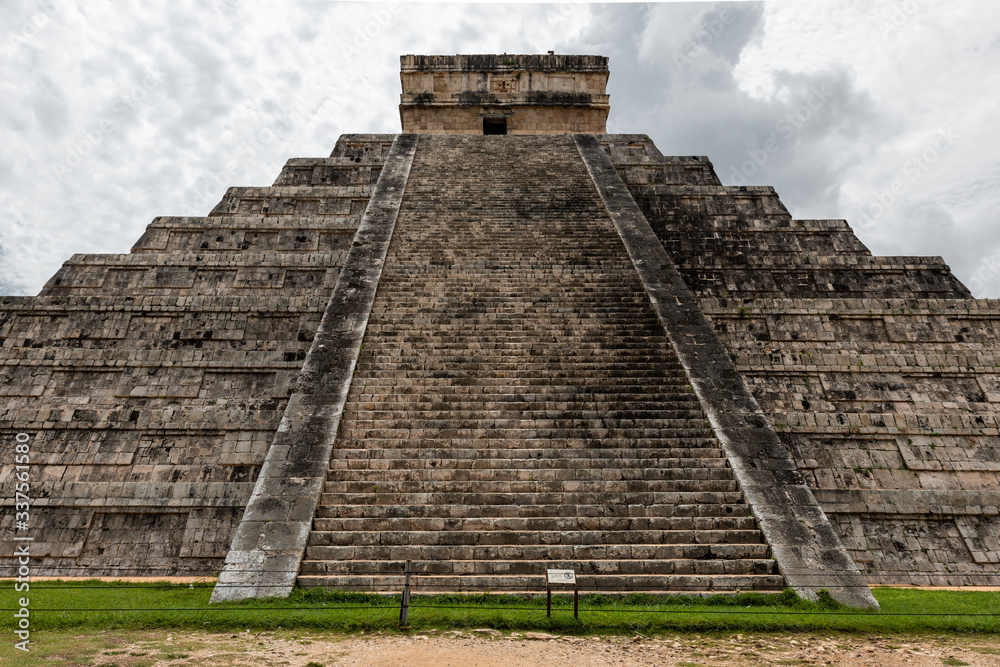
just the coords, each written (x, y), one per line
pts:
(279, 513)
(878, 373)
(516, 398)
(151, 384)
(808, 551)
(517, 406)
(528, 94)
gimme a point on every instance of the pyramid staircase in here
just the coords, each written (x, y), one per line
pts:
(516, 405)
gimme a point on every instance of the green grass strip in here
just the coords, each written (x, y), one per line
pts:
(55, 605)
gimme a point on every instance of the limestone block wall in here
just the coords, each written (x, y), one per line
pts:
(509, 77)
(742, 240)
(879, 374)
(520, 119)
(890, 406)
(538, 94)
(151, 383)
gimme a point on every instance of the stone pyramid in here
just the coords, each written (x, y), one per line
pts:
(503, 341)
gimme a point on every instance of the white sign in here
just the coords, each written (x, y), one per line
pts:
(562, 576)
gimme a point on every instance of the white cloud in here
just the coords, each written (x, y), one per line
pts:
(259, 82)
(930, 70)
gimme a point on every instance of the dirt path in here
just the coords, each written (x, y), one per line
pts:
(485, 649)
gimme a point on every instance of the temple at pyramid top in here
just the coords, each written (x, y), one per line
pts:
(504, 94)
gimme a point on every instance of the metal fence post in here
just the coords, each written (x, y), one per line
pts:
(576, 600)
(404, 603)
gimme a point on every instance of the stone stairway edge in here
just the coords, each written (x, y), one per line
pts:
(271, 538)
(804, 543)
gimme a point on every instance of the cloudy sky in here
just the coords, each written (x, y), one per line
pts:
(882, 112)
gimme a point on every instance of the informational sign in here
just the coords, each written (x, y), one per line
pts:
(562, 576)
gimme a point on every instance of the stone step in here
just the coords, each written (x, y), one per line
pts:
(445, 382)
(569, 211)
(368, 401)
(645, 552)
(523, 467)
(442, 336)
(490, 338)
(564, 474)
(584, 293)
(507, 420)
(488, 255)
(527, 388)
(419, 448)
(483, 431)
(572, 523)
(610, 566)
(469, 499)
(534, 582)
(448, 489)
(461, 308)
(478, 538)
(520, 413)
(491, 364)
(413, 355)
(602, 381)
(385, 406)
(497, 347)
(516, 455)
(580, 283)
(471, 397)
(679, 506)
(429, 388)
(583, 285)
(513, 324)
(586, 284)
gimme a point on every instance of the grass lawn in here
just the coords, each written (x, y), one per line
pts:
(56, 605)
